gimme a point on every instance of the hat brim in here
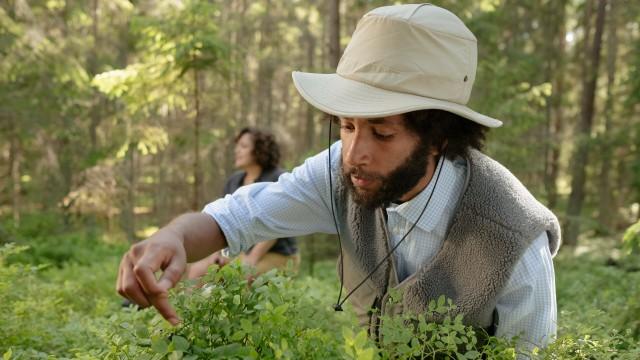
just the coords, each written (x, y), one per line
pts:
(340, 96)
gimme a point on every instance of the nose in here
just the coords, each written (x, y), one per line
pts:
(357, 149)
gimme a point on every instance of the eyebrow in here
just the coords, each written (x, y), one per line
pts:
(375, 121)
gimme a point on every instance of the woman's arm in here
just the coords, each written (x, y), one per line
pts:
(257, 252)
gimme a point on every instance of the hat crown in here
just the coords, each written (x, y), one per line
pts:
(418, 49)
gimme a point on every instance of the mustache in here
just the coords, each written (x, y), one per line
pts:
(359, 173)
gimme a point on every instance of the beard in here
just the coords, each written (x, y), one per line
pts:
(393, 186)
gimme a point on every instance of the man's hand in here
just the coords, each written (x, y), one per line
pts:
(189, 237)
(137, 281)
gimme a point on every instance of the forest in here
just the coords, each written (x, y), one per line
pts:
(116, 116)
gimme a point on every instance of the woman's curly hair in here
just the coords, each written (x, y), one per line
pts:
(265, 148)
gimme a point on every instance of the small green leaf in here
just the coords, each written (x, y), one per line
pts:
(246, 325)
(237, 336)
(142, 331)
(366, 354)
(472, 354)
(230, 350)
(159, 346)
(361, 339)
(180, 343)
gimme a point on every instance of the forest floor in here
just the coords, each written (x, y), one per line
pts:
(64, 308)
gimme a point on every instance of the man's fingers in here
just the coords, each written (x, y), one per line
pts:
(128, 284)
(157, 291)
(170, 276)
(161, 303)
(137, 275)
(145, 273)
(172, 273)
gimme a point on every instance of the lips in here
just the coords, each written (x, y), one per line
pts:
(360, 181)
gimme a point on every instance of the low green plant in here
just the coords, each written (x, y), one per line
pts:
(52, 242)
(410, 336)
(44, 316)
(72, 311)
(230, 317)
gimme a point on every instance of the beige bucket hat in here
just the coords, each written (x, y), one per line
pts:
(401, 58)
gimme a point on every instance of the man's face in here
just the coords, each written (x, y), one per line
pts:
(382, 160)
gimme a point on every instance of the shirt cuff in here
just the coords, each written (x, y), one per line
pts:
(219, 211)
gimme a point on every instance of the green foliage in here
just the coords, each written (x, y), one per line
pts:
(417, 336)
(51, 242)
(177, 39)
(51, 313)
(272, 317)
(608, 345)
(276, 317)
(594, 297)
(73, 311)
(631, 238)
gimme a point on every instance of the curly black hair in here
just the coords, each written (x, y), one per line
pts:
(438, 127)
(265, 148)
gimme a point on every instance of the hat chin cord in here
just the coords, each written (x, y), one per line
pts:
(340, 302)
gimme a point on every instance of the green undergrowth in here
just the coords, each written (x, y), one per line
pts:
(51, 311)
(72, 311)
(52, 240)
(275, 317)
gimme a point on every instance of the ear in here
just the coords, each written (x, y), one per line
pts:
(434, 151)
(443, 147)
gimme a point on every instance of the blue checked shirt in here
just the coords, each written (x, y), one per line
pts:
(299, 204)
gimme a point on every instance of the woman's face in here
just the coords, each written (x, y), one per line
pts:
(244, 151)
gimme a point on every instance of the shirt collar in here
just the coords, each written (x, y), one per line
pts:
(436, 208)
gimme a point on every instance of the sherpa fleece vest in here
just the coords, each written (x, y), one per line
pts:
(495, 220)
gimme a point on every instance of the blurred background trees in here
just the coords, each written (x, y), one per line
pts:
(119, 115)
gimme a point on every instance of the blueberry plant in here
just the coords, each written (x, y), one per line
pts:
(73, 312)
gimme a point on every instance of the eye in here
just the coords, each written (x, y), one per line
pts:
(382, 136)
(346, 127)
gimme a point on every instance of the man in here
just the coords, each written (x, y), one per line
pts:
(417, 207)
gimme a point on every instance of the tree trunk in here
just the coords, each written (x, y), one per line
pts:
(554, 114)
(128, 214)
(606, 210)
(334, 33)
(264, 102)
(581, 155)
(66, 154)
(197, 171)
(311, 49)
(14, 171)
(93, 70)
(245, 87)
(161, 202)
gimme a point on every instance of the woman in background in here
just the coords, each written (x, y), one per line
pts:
(257, 156)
